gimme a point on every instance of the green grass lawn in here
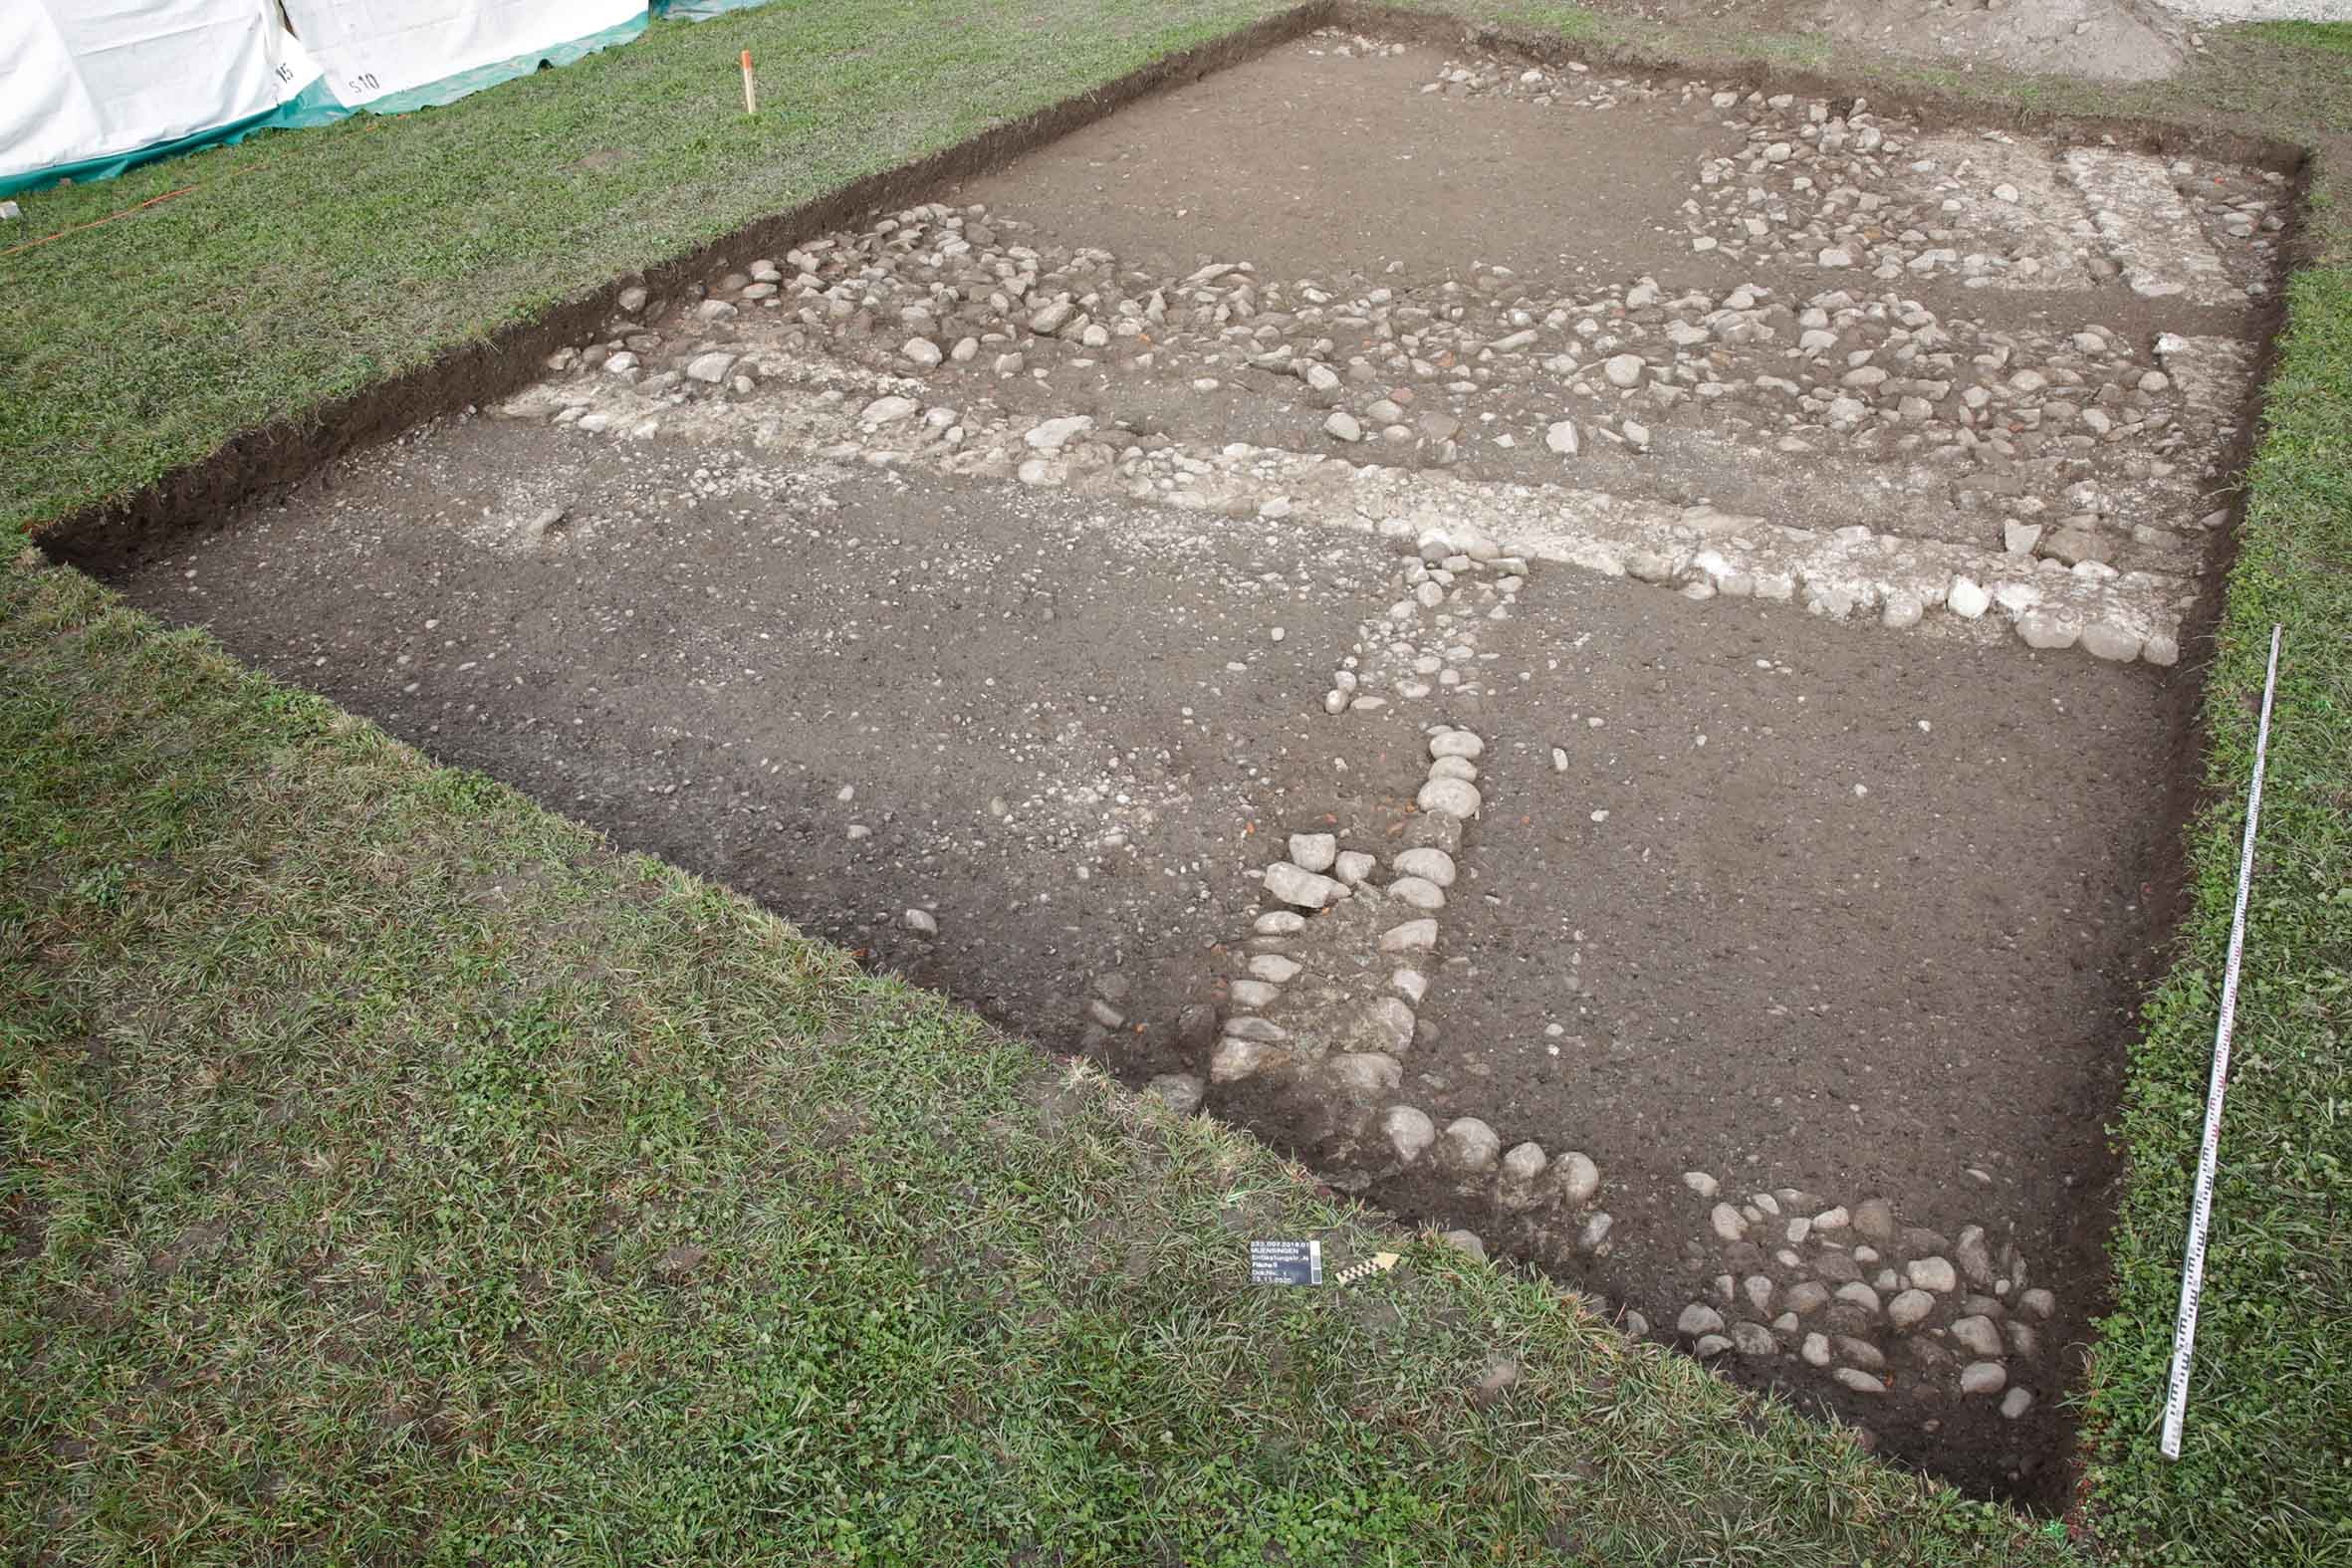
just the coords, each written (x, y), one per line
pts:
(2334, 37)
(396, 1174)
(2265, 1474)
(390, 1171)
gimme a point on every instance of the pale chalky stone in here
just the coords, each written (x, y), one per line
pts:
(1934, 1273)
(1448, 796)
(1054, 434)
(2106, 640)
(1469, 1146)
(1387, 1025)
(1466, 1242)
(1576, 1177)
(1699, 1318)
(2040, 629)
(1414, 936)
(1984, 1377)
(1430, 865)
(1418, 893)
(1979, 1334)
(1856, 1293)
(1860, 1352)
(1236, 1059)
(1523, 1164)
(1366, 1074)
(1294, 884)
(1408, 1131)
(1313, 851)
(1178, 1091)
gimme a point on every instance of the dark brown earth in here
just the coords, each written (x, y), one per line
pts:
(1070, 736)
(1005, 684)
(1743, 951)
(1761, 973)
(1317, 164)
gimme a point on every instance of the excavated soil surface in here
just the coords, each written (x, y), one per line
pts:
(1784, 522)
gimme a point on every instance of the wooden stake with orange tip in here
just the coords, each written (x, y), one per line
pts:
(751, 94)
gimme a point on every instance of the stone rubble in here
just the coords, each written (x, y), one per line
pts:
(1834, 183)
(1843, 573)
(1882, 1308)
(2063, 467)
(1326, 1003)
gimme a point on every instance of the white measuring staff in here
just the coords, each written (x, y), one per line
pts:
(2201, 1211)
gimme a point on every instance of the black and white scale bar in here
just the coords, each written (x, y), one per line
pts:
(2201, 1212)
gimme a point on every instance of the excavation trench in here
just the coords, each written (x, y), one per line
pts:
(1046, 586)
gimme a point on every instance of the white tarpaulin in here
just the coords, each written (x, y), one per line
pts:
(88, 86)
(391, 55)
